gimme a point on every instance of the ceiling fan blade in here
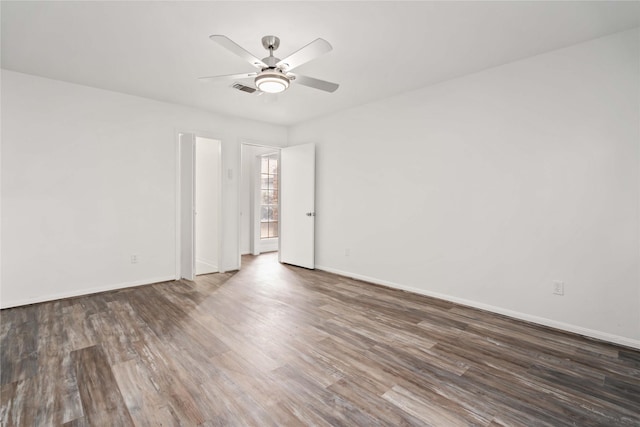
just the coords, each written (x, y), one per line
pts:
(305, 54)
(316, 83)
(229, 44)
(228, 77)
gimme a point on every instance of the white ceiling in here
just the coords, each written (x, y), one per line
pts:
(158, 49)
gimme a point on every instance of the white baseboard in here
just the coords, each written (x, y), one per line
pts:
(268, 245)
(603, 336)
(204, 266)
(83, 292)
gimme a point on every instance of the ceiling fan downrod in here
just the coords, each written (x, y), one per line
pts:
(271, 43)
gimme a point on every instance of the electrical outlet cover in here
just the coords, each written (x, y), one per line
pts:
(558, 288)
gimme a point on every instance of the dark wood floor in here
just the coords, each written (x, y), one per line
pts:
(278, 345)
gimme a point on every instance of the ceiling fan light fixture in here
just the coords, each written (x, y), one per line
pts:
(272, 82)
(273, 75)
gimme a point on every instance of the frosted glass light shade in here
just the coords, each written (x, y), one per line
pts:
(272, 82)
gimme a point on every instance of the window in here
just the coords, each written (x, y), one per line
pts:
(269, 196)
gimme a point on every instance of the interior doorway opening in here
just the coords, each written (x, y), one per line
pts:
(199, 241)
(207, 207)
(268, 201)
(259, 199)
(295, 216)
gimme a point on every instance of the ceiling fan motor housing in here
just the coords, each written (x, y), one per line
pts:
(270, 42)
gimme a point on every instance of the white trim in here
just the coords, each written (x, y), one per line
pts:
(208, 262)
(220, 189)
(84, 292)
(604, 336)
(178, 217)
(205, 267)
(269, 245)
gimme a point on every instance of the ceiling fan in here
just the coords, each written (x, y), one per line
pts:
(275, 74)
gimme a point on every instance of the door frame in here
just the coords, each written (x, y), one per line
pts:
(250, 143)
(178, 198)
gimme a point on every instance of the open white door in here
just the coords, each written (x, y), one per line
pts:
(187, 206)
(297, 205)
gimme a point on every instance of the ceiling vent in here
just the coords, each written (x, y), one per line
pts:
(244, 88)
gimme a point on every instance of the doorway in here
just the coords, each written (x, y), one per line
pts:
(207, 180)
(198, 242)
(291, 213)
(259, 201)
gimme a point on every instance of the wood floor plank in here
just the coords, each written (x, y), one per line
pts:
(177, 389)
(277, 345)
(320, 401)
(102, 401)
(424, 408)
(78, 328)
(448, 387)
(145, 403)
(376, 406)
(19, 356)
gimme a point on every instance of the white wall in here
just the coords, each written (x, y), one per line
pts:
(488, 188)
(207, 204)
(88, 179)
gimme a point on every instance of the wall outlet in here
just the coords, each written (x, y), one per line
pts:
(347, 252)
(558, 288)
(134, 259)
